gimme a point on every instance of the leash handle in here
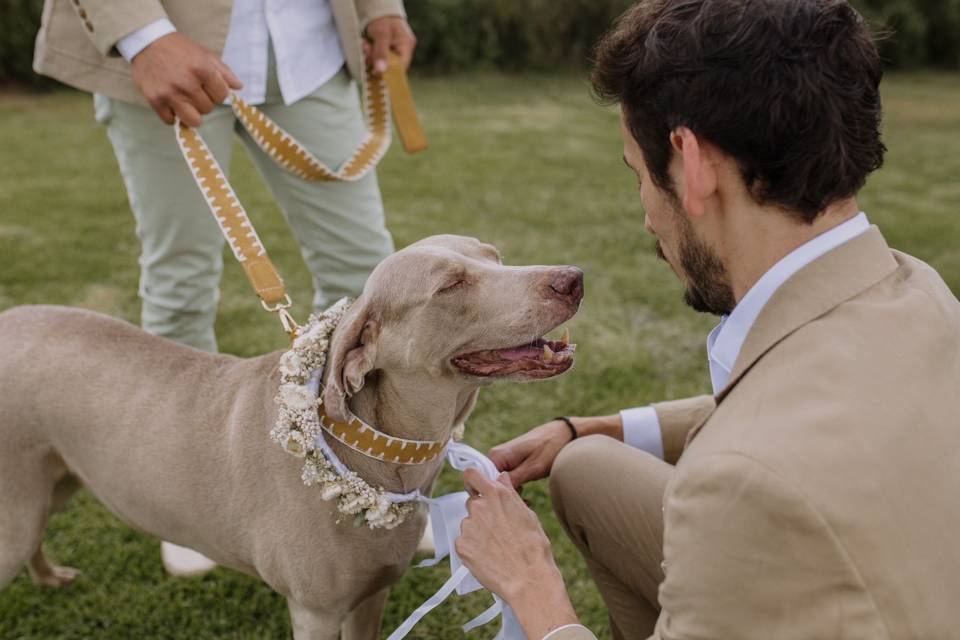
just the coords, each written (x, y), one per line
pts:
(404, 112)
(290, 154)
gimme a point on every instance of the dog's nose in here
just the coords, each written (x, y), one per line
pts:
(568, 282)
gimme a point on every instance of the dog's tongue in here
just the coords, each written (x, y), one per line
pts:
(539, 359)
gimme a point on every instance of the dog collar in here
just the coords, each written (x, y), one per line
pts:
(365, 439)
(302, 421)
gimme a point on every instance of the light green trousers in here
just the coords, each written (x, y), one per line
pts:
(339, 225)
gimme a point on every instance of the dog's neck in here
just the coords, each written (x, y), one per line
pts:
(389, 404)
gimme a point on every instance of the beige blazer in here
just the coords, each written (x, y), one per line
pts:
(818, 496)
(77, 40)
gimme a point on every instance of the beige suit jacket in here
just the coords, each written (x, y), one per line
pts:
(77, 40)
(818, 497)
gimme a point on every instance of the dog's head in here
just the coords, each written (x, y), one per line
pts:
(449, 309)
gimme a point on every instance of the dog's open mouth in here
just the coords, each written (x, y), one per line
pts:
(535, 360)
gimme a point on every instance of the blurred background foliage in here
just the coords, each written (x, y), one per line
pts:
(520, 35)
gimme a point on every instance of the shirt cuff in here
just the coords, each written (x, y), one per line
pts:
(570, 627)
(129, 46)
(641, 430)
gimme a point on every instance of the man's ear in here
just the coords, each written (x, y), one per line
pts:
(699, 173)
(353, 351)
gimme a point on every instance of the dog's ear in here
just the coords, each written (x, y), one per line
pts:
(352, 353)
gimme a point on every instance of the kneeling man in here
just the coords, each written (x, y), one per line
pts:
(815, 494)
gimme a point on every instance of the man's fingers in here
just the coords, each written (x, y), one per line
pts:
(526, 472)
(214, 84)
(403, 44)
(216, 89)
(187, 113)
(477, 483)
(505, 457)
(232, 80)
(381, 47)
(165, 112)
(200, 101)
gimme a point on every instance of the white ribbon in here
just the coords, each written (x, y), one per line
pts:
(446, 514)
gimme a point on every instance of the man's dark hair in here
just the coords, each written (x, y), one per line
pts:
(788, 88)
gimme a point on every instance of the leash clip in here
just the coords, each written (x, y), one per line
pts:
(289, 324)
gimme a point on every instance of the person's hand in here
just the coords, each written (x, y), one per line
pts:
(180, 78)
(389, 33)
(530, 456)
(504, 546)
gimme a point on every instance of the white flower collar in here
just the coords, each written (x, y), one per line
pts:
(300, 426)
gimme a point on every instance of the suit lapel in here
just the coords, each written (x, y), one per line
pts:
(814, 290)
(819, 287)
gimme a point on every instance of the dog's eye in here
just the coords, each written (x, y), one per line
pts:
(450, 288)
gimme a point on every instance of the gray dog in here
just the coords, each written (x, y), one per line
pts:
(174, 441)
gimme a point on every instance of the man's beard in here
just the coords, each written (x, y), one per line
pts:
(708, 285)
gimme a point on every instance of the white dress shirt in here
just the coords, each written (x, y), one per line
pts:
(641, 427)
(303, 33)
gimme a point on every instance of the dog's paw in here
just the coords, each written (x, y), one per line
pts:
(57, 577)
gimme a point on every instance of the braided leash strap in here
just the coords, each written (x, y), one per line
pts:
(287, 152)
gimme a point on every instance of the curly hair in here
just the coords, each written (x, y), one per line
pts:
(788, 88)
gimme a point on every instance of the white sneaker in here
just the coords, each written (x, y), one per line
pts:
(183, 562)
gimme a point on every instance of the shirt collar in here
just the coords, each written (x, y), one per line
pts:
(726, 339)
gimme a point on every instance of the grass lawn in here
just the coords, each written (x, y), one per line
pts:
(527, 163)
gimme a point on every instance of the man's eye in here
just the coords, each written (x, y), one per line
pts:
(452, 287)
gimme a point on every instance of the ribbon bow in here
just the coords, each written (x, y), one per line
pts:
(446, 514)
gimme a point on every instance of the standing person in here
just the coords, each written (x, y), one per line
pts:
(149, 61)
(813, 493)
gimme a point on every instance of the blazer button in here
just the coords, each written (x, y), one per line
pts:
(89, 26)
(76, 3)
(83, 14)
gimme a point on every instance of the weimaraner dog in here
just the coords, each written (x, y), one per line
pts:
(175, 441)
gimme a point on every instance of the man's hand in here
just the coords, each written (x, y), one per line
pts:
(180, 78)
(390, 33)
(504, 546)
(530, 456)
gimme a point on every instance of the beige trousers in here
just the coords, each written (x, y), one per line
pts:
(338, 225)
(609, 498)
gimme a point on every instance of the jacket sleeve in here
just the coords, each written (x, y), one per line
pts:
(368, 10)
(747, 556)
(677, 418)
(107, 21)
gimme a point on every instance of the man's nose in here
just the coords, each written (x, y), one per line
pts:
(568, 283)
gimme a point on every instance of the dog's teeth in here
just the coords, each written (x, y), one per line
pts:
(565, 340)
(548, 354)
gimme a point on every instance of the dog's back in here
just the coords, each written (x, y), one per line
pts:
(125, 412)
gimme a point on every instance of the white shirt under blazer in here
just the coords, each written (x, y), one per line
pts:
(303, 34)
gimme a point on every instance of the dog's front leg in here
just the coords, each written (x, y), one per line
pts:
(363, 623)
(309, 624)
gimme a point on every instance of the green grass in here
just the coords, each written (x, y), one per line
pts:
(527, 163)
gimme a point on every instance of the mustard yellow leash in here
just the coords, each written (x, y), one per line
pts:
(285, 150)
